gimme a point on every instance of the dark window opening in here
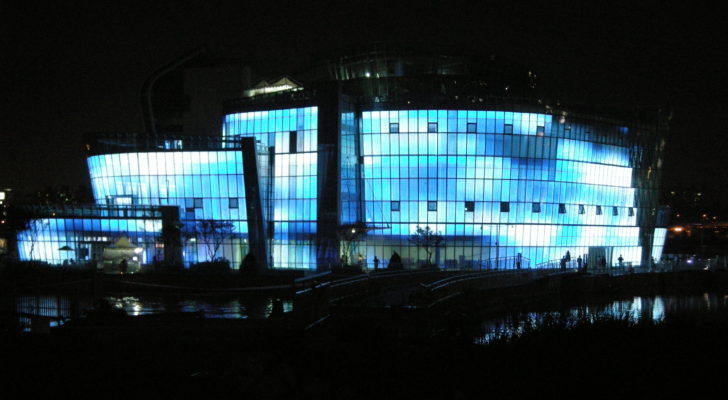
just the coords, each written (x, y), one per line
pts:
(540, 131)
(431, 206)
(630, 212)
(394, 206)
(536, 207)
(233, 202)
(394, 127)
(508, 128)
(469, 206)
(293, 141)
(581, 209)
(599, 210)
(615, 211)
(471, 127)
(562, 208)
(432, 127)
(198, 202)
(505, 206)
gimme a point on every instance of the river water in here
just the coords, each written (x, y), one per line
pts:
(637, 309)
(60, 308)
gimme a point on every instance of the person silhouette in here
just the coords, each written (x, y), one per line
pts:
(123, 266)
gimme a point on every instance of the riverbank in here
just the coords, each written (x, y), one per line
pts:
(397, 353)
(562, 291)
(357, 360)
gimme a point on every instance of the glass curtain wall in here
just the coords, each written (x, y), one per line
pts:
(293, 133)
(73, 241)
(496, 184)
(206, 185)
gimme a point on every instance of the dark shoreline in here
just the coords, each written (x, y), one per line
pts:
(394, 353)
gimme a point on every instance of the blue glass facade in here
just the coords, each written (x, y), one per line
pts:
(79, 234)
(385, 147)
(205, 185)
(453, 170)
(292, 133)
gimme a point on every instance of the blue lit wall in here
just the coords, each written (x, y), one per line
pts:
(294, 135)
(49, 235)
(451, 170)
(206, 185)
(350, 171)
(494, 183)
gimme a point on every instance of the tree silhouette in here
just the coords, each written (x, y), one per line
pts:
(212, 233)
(349, 235)
(23, 219)
(427, 239)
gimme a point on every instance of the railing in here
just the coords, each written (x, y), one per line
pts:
(556, 264)
(504, 263)
(503, 277)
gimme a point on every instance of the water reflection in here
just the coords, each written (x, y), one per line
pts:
(54, 309)
(211, 307)
(637, 309)
(60, 308)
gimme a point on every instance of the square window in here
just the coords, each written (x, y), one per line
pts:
(505, 206)
(469, 206)
(432, 127)
(540, 131)
(562, 208)
(581, 209)
(536, 207)
(394, 127)
(472, 127)
(394, 206)
(233, 202)
(508, 128)
(615, 211)
(599, 210)
(198, 202)
(431, 206)
(630, 212)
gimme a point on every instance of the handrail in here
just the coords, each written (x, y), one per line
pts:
(312, 277)
(492, 274)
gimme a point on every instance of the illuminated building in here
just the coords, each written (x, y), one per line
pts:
(390, 142)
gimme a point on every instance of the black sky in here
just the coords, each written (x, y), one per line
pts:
(72, 67)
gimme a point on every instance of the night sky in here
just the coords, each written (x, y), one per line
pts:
(72, 67)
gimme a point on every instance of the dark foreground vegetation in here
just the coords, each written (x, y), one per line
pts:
(394, 353)
(391, 356)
